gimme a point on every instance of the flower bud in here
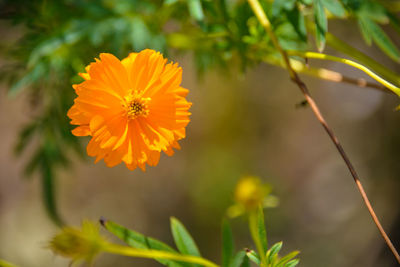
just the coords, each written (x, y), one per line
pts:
(78, 244)
(250, 192)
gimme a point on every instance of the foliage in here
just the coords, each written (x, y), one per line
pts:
(84, 244)
(61, 37)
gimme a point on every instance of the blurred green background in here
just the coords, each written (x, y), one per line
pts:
(242, 123)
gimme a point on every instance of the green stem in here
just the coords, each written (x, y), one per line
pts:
(155, 254)
(263, 19)
(341, 46)
(253, 226)
(4, 263)
(322, 56)
(326, 74)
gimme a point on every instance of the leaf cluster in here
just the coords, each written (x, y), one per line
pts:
(60, 37)
(186, 246)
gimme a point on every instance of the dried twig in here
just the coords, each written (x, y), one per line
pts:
(261, 16)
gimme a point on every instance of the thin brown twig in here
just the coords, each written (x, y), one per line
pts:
(260, 14)
(334, 76)
(329, 75)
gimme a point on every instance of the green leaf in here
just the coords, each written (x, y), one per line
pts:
(37, 72)
(276, 248)
(321, 24)
(238, 260)
(335, 7)
(365, 32)
(272, 253)
(48, 192)
(306, 2)
(279, 5)
(183, 240)
(195, 10)
(297, 20)
(169, 2)
(282, 262)
(137, 240)
(374, 11)
(227, 243)
(380, 38)
(246, 262)
(25, 136)
(253, 256)
(292, 263)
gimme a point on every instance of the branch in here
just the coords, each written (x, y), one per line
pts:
(349, 62)
(261, 16)
(328, 75)
(343, 47)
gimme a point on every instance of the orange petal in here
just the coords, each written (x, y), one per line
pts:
(110, 71)
(81, 131)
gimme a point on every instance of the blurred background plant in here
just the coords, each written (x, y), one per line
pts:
(56, 39)
(86, 243)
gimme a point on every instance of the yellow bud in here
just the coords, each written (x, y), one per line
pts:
(250, 192)
(78, 244)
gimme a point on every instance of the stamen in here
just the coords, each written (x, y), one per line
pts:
(136, 106)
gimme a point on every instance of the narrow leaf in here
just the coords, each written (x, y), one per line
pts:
(169, 2)
(48, 193)
(292, 263)
(335, 7)
(321, 24)
(276, 248)
(273, 252)
(246, 262)
(253, 256)
(279, 5)
(137, 240)
(195, 10)
(296, 19)
(237, 261)
(287, 258)
(365, 32)
(183, 240)
(227, 243)
(25, 137)
(381, 39)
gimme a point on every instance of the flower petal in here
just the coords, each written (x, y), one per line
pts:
(133, 109)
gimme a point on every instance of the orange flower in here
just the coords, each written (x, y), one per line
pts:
(133, 109)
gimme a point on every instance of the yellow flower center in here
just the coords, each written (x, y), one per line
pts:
(136, 106)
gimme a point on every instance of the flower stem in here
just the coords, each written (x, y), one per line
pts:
(343, 47)
(322, 56)
(156, 254)
(261, 16)
(253, 226)
(328, 75)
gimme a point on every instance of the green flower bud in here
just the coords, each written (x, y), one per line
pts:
(78, 244)
(250, 192)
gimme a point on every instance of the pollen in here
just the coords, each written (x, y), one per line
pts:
(136, 106)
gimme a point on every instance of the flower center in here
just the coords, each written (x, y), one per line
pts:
(136, 106)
